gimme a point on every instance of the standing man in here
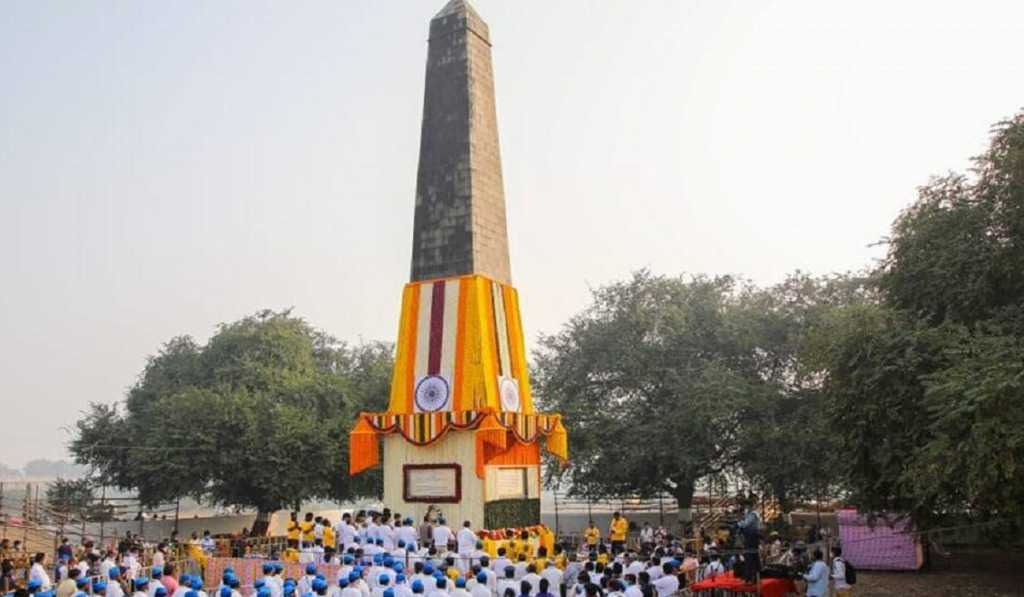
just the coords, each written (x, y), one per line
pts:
(750, 528)
(467, 545)
(38, 572)
(817, 576)
(617, 531)
(591, 536)
(842, 588)
(293, 531)
(442, 535)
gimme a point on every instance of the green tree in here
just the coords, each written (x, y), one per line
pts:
(70, 498)
(256, 418)
(924, 386)
(649, 378)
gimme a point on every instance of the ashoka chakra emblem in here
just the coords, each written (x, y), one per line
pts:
(432, 393)
(509, 390)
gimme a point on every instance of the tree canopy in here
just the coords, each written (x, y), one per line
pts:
(256, 418)
(899, 389)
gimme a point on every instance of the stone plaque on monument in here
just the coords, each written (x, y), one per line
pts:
(510, 483)
(435, 483)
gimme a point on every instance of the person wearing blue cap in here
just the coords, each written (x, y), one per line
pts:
(508, 581)
(306, 582)
(99, 588)
(191, 593)
(417, 587)
(38, 572)
(225, 592)
(197, 586)
(114, 587)
(156, 576)
(480, 589)
(34, 586)
(263, 591)
(160, 591)
(320, 587)
(389, 592)
(140, 587)
(401, 586)
(440, 588)
(80, 594)
(460, 588)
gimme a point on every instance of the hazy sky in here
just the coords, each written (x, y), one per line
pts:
(165, 166)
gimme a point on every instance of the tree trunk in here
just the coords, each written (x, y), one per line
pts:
(261, 526)
(683, 493)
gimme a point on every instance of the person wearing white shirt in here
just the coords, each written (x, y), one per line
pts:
(501, 562)
(668, 583)
(441, 535)
(466, 540)
(401, 587)
(633, 590)
(407, 533)
(508, 582)
(654, 570)
(817, 576)
(521, 567)
(440, 588)
(714, 568)
(38, 572)
(842, 588)
(554, 577)
(533, 578)
(460, 588)
(480, 589)
(347, 590)
(486, 570)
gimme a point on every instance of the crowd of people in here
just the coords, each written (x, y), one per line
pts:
(383, 554)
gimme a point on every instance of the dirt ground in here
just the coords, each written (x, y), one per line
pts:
(938, 584)
(977, 573)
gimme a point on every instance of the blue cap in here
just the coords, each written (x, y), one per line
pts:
(81, 583)
(442, 582)
(378, 558)
(268, 568)
(185, 579)
(225, 592)
(192, 594)
(35, 583)
(160, 591)
(141, 582)
(459, 582)
(197, 583)
(481, 578)
(259, 583)
(383, 579)
(289, 589)
(417, 586)
(321, 576)
(263, 592)
(278, 567)
(233, 582)
(114, 572)
(158, 572)
(399, 577)
(389, 593)
(343, 582)
(319, 584)
(348, 559)
(310, 568)
(99, 586)
(428, 568)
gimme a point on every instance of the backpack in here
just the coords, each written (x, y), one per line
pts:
(851, 572)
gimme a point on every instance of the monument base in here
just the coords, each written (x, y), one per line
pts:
(443, 474)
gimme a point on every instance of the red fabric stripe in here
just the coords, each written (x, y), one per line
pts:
(436, 328)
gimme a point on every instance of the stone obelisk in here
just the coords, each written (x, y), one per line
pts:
(460, 432)
(459, 225)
